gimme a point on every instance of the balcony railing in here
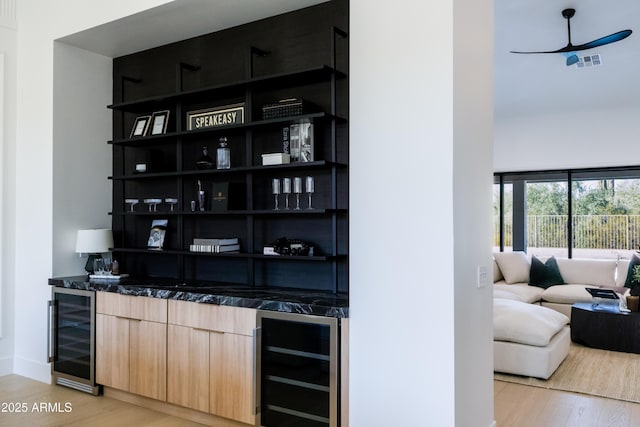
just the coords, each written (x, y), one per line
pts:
(589, 231)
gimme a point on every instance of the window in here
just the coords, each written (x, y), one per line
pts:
(532, 211)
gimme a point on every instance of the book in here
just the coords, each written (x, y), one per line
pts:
(214, 249)
(216, 242)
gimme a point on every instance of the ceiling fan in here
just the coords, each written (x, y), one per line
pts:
(570, 49)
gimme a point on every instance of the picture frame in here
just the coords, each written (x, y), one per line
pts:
(140, 126)
(159, 122)
(157, 233)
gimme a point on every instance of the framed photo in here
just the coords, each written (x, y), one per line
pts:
(159, 121)
(156, 234)
(140, 126)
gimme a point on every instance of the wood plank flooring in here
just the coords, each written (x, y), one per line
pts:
(85, 409)
(517, 405)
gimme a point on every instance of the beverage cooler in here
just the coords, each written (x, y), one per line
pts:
(297, 370)
(71, 339)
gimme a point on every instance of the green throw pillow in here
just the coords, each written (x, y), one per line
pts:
(545, 274)
(634, 261)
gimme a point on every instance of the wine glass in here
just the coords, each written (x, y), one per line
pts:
(153, 204)
(297, 188)
(286, 189)
(275, 190)
(310, 188)
(107, 266)
(98, 266)
(172, 202)
(131, 203)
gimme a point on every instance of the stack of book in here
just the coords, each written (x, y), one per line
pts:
(215, 246)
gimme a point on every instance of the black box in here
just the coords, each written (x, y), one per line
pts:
(226, 196)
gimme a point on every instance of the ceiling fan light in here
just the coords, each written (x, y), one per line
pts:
(572, 58)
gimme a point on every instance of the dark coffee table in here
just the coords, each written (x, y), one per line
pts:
(605, 327)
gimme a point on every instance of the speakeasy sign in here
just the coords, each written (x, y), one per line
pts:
(214, 117)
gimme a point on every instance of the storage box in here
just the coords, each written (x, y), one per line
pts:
(275, 159)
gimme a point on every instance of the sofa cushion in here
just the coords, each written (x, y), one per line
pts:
(500, 293)
(567, 294)
(545, 274)
(596, 272)
(524, 292)
(632, 263)
(497, 274)
(621, 272)
(514, 266)
(523, 323)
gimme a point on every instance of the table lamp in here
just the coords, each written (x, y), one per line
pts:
(93, 243)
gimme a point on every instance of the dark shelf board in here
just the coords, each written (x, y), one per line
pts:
(300, 77)
(319, 258)
(240, 169)
(172, 136)
(234, 212)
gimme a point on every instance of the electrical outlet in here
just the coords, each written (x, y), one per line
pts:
(483, 276)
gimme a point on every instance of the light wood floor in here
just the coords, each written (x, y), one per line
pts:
(515, 406)
(519, 405)
(86, 410)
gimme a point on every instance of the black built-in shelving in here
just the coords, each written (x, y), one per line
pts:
(187, 76)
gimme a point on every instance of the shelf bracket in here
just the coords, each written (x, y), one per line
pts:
(123, 80)
(254, 51)
(180, 68)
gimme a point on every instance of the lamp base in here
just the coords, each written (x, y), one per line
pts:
(90, 260)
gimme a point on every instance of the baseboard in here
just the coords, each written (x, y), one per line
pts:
(31, 369)
(6, 366)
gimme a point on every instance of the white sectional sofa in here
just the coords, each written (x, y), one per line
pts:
(531, 336)
(511, 280)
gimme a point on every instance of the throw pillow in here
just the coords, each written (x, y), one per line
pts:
(634, 261)
(514, 266)
(544, 275)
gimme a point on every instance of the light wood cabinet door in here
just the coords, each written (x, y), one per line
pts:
(148, 359)
(232, 385)
(112, 351)
(188, 367)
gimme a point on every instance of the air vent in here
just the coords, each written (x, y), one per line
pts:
(589, 61)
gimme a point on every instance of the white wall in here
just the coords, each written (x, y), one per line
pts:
(420, 180)
(81, 156)
(8, 51)
(40, 23)
(570, 139)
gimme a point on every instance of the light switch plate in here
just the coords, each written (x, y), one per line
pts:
(483, 276)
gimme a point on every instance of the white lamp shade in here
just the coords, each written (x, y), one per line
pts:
(94, 241)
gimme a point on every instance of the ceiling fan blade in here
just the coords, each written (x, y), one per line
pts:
(611, 38)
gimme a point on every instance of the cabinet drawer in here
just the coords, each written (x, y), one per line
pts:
(132, 307)
(218, 318)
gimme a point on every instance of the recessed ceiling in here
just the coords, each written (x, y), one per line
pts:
(541, 84)
(174, 21)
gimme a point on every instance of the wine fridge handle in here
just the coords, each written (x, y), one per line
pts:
(51, 339)
(256, 381)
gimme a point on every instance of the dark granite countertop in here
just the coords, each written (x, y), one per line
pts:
(299, 301)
